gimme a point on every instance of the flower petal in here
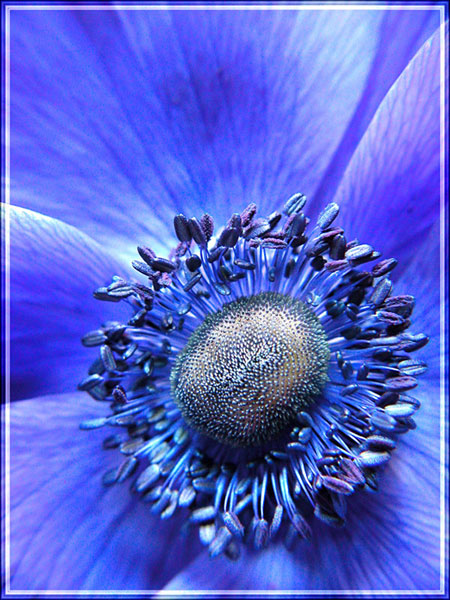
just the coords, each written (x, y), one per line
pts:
(67, 530)
(390, 191)
(120, 118)
(54, 270)
(402, 33)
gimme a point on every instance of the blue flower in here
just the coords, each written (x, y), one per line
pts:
(122, 119)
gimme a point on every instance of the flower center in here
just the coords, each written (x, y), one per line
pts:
(250, 372)
(249, 368)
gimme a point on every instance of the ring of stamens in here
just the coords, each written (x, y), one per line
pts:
(332, 448)
(250, 367)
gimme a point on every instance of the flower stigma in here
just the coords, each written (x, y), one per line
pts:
(249, 368)
(263, 377)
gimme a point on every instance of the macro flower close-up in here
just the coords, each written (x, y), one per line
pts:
(222, 268)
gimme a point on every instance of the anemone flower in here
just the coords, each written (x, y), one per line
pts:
(249, 379)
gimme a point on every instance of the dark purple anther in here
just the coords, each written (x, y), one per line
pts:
(235, 222)
(197, 232)
(181, 226)
(248, 214)
(384, 267)
(163, 265)
(207, 225)
(146, 254)
(193, 262)
(228, 237)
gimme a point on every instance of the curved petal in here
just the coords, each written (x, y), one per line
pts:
(54, 269)
(409, 29)
(390, 191)
(391, 540)
(68, 532)
(120, 118)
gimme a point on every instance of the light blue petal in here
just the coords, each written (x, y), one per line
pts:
(54, 270)
(390, 192)
(68, 532)
(121, 118)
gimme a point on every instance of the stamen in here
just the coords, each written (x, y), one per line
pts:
(262, 378)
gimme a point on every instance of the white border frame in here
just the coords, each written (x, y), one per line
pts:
(205, 593)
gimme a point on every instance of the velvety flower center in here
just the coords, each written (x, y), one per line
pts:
(250, 367)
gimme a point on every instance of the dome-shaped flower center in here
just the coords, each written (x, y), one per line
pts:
(250, 367)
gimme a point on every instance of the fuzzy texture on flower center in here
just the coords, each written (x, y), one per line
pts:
(250, 367)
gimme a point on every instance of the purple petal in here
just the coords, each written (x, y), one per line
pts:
(54, 270)
(390, 191)
(120, 118)
(67, 530)
(408, 29)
